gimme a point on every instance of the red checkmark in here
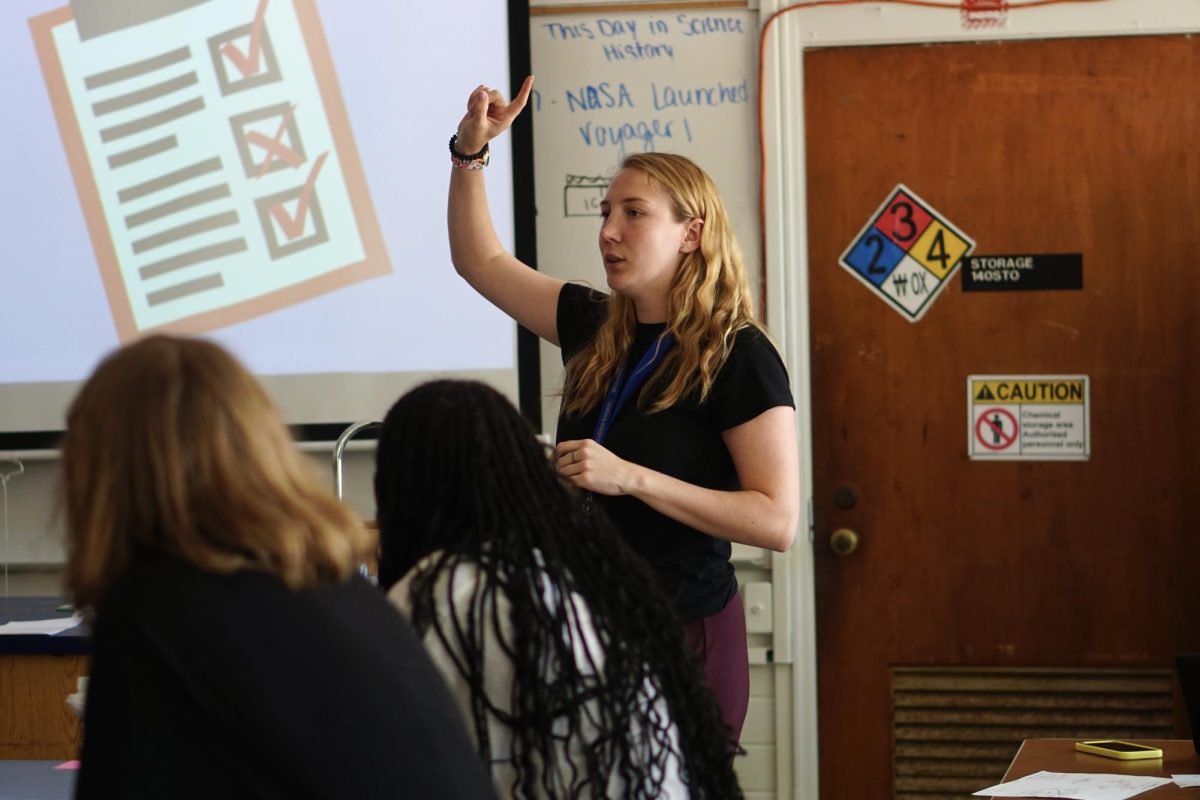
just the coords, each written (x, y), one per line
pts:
(274, 146)
(293, 225)
(249, 63)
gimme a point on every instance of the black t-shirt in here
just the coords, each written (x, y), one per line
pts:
(683, 441)
(234, 686)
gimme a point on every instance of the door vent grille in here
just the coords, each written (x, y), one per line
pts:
(955, 730)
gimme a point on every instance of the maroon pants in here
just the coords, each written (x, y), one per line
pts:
(719, 641)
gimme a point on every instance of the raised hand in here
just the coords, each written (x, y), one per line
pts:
(488, 116)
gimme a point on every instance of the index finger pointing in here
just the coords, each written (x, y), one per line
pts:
(518, 103)
(523, 95)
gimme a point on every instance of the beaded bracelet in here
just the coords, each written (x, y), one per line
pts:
(473, 161)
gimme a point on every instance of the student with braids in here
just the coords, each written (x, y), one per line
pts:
(677, 417)
(567, 664)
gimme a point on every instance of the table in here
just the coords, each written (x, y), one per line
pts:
(1060, 755)
(37, 672)
(35, 780)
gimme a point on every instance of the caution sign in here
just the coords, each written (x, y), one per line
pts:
(1028, 417)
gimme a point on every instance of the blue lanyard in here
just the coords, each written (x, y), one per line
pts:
(621, 390)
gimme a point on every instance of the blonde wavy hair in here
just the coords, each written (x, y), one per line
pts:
(173, 447)
(708, 303)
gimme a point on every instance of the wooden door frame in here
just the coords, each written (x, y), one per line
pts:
(786, 246)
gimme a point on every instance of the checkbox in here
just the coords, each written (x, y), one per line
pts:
(268, 139)
(280, 241)
(243, 57)
(291, 220)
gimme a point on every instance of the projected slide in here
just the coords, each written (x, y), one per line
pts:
(270, 174)
(213, 158)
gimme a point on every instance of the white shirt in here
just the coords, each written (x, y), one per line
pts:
(499, 675)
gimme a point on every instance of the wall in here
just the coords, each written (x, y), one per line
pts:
(33, 536)
(36, 532)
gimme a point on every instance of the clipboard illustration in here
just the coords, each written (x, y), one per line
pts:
(213, 157)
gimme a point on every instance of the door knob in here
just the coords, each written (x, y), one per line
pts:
(843, 541)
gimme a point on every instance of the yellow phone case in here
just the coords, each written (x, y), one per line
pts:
(1097, 747)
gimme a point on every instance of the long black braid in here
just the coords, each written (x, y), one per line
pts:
(460, 473)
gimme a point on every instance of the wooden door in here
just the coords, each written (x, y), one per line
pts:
(1025, 567)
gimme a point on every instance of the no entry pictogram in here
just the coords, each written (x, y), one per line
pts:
(996, 429)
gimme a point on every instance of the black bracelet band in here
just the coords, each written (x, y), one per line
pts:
(463, 156)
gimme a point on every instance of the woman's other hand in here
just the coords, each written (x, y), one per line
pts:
(594, 468)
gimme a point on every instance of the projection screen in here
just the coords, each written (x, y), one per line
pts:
(270, 174)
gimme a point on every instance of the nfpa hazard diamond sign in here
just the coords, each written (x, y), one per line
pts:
(906, 253)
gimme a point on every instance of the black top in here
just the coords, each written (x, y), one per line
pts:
(234, 686)
(683, 441)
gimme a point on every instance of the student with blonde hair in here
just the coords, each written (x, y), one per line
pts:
(677, 416)
(236, 652)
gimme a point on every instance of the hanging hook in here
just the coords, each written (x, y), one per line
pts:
(5, 474)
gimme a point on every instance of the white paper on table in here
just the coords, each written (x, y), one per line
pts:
(47, 626)
(1187, 781)
(1075, 785)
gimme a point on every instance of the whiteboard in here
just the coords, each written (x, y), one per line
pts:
(679, 80)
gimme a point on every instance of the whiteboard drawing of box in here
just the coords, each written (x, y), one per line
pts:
(582, 195)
